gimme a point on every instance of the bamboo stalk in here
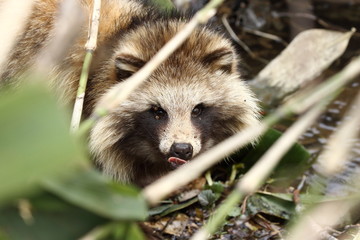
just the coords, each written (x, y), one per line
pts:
(90, 48)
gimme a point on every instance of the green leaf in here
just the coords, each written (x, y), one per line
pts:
(3, 236)
(159, 209)
(166, 209)
(217, 187)
(164, 5)
(94, 192)
(117, 230)
(235, 212)
(34, 142)
(271, 205)
(51, 218)
(207, 197)
(293, 163)
(127, 231)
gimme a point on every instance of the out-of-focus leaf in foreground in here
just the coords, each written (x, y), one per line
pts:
(34, 141)
(122, 230)
(48, 218)
(164, 5)
(94, 192)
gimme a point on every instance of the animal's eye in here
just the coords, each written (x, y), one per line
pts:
(196, 112)
(158, 112)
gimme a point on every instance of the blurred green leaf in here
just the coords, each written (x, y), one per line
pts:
(235, 212)
(164, 5)
(92, 191)
(126, 230)
(207, 197)
(51, 218)
(34, 142)
(116, 231)
(3, 236)
(217, 187)
(159, 209)
(166, 209)
(271, 205)
(293, 163)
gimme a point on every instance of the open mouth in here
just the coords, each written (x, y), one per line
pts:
(176, 162)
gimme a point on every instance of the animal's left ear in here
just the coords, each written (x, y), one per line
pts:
(222, 59)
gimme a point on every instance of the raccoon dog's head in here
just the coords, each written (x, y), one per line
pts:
(194, 100)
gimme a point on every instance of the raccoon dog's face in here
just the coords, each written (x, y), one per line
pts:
(191, 102)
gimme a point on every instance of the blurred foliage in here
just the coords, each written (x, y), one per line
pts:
(34, 142)
(92, 191)
(164, 5)
(291, 165)
(51, 218)
(38, 156)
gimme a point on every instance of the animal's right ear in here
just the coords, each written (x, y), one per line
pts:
(126, 65)
(220, 59)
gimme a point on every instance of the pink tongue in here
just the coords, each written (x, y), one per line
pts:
(176, 161)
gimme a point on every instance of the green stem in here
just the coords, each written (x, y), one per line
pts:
(79, 101)
(208, 178)
(85, 72)
(221, 213)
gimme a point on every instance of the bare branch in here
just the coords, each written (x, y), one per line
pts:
(238, 41)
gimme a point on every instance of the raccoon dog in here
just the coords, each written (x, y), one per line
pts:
(194, 100)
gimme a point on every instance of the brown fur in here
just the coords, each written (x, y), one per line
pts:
(132, 143)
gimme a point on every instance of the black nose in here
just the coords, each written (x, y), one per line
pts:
(181, 150)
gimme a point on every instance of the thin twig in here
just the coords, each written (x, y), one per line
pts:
(118, 94)
(190, 171)
(266, 35)
(241, 43)
(308, 16)
(90, 48)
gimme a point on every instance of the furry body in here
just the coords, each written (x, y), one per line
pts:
(191, 102)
